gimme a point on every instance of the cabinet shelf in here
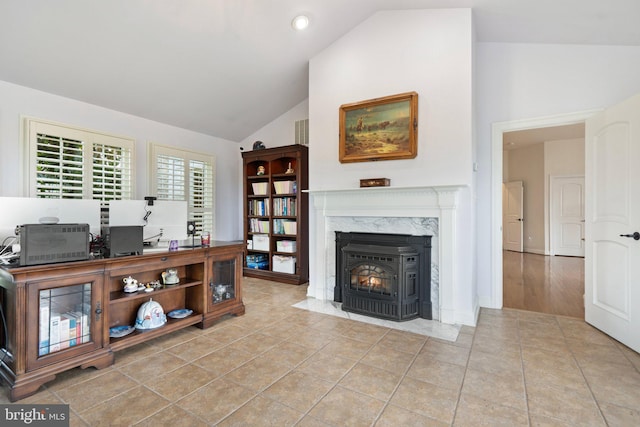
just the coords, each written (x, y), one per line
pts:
(139, 336)
(285, 177)
(124, 297)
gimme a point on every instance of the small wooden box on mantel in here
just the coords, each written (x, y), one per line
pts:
(375, 182)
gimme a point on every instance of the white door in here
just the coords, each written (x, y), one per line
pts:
(512, 215)
(612, 258)
(567, 215)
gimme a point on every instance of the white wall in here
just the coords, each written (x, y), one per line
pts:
(520, 81)
(426, 51)
(17, 100)
(280, 131)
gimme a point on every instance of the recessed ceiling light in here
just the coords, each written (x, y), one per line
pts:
(300, 22)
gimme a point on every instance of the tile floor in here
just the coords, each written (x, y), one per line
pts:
(279, 366)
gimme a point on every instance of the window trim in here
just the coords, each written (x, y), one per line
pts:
(28, 140)
(153, 149)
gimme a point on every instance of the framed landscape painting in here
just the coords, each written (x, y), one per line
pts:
(379, 129)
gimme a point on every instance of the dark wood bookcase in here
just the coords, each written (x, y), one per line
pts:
(276, 212)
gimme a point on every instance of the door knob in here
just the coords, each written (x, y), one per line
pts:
(635, 235)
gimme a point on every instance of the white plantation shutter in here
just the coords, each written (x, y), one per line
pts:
(66, 162)
(201, 194)
(59, 168)
(111, 172)
(185, 175)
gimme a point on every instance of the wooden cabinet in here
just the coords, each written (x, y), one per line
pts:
(41, 305)
(34, 299)
(276, 214)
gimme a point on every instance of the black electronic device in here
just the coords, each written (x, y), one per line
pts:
(125, 240)
(51, 243)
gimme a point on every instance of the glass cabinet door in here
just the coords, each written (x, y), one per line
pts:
(222, 286)
(65, 318)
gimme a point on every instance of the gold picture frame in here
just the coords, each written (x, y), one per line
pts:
(379, 129)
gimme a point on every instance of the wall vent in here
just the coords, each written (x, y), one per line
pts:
(302, 132)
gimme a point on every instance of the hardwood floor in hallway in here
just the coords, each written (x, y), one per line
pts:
(545, 284)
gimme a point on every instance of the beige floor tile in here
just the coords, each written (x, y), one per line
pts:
(614, 384)
(493, 345)
(542, 421)
(315, 340)
(406, 342)
(494, 363)
(152, 366)
(580, 330)
(426, 368)
(256, 343)
(177, 384)
(371, 381)
(618, 416)
(446, 352)
(173, 416)
(298, 391)
(258, 373)
(75, 376)
(364, 332)
(195, 348)
(89, 393)
(588, 352)
(309, 421)
(224, 360)
(173, 339)
(131, 407)
(261, 411)
(474, 411)
(216, 400)
(394, 416)
(383, 357)
(343, 407)
(506, 388)
(571, 405)
(427, 399)
(326, 366)
(290, 353)
(347, 348)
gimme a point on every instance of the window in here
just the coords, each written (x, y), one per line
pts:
(65, 162)
(184, 175)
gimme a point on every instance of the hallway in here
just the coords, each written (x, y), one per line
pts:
(544, 284)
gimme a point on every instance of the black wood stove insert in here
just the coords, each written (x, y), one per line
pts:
(384, 275)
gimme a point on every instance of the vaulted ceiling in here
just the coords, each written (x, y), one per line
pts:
(228, 67)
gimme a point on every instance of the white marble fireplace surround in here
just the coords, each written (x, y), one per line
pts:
(401, 210)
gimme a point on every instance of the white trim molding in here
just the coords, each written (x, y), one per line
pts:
(392, 203)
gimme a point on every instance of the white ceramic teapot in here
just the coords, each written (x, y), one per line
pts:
(170, 276)
(130, 284)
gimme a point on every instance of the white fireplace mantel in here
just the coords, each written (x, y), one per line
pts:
(392, 202)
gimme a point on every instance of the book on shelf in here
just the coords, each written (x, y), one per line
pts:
(258, 207)
(284, 226)
(43, 344)
(284, 206)
(54, 332)
(258, 225)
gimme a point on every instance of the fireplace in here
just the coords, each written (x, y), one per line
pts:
(384, 275)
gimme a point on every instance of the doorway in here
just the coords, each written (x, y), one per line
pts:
(539, 261)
